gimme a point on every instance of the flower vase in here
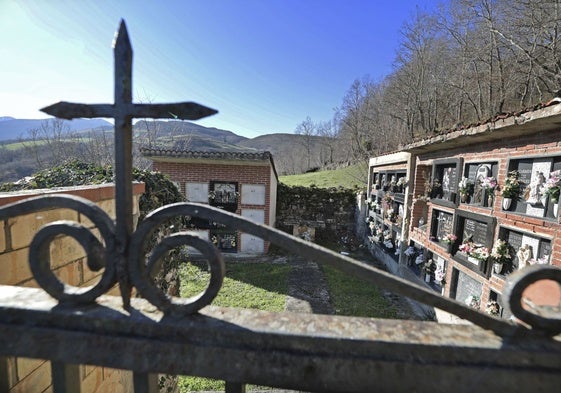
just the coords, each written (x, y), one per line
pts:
(556, 209)
(497, 268)
(449, 248)
(427, 277)
(506, 203)
(490, 200)
(543, 200)
(463, 197)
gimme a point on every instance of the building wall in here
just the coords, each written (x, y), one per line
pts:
(431, 215)
(539, 145)
(68, 262)
(249, 174)
(273, 197)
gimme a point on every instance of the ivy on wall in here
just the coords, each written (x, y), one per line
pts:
(329, 210)
(159, 189)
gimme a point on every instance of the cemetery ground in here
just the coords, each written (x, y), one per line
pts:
(283, 282)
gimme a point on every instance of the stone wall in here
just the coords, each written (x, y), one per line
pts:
(68, 261)
(330, 212)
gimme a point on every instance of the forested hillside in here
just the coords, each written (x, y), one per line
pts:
(53, 142)
(462, 64)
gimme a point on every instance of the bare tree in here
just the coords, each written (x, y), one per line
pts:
(328, 132)
(467, 62)
(356, 127)
(308, 130)
(531, 29)
(96, 146)
(51, 143)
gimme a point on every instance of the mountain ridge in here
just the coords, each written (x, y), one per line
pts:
(12, 128)
(292, 153)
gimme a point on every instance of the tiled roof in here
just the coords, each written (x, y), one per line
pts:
(254, 156)
(215, 155)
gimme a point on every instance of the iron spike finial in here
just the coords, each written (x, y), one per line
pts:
(57, 110)
(121, 39)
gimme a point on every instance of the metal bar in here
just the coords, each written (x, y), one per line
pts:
(123, 110)
(4, 374)
(179, 110)
(145, 383)
(65, 377)
(123, 153)
(293, 351)
(70, 110)
(233, 387)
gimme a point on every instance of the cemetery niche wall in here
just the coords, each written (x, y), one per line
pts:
(483, 204)
(387, 213)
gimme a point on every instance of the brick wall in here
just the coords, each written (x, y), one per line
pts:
(188, 172)
(528, 141)
(69, 264)
(540, 144)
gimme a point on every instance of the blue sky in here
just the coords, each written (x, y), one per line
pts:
(264, 65)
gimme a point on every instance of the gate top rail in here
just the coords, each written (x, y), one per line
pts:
(124, 250)
(161, 334)
(295, 351)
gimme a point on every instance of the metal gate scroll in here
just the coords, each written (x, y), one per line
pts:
(122, 253)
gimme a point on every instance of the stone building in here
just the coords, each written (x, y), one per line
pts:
(439, 208)
(241, 182)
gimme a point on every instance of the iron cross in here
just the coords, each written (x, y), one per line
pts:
(123, 111)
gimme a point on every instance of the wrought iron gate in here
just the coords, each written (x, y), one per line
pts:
(159, 334)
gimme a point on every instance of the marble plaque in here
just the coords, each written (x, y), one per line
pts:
(444, 226)
(251, 244)
(467, 286)
(542, 167)
(450, 179)
(534, 244)
(477, 230)
(253, 194)
(197, 192)
(256, 215)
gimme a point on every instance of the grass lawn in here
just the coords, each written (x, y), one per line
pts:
(349, 177)
(246, 285)
(356, 297)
